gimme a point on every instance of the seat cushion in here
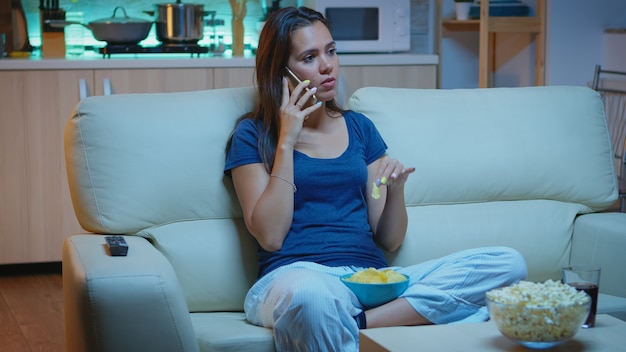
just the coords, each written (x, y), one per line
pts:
(540, 230)
(224, 331)
(214, 260)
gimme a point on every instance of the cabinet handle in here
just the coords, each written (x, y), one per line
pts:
(106, 84)
(82, 89)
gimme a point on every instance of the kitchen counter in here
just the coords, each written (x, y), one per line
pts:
(131, 61)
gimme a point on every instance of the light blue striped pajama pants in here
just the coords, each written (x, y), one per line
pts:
(310, 309)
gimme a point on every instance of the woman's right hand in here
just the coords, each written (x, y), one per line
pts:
(292, 114)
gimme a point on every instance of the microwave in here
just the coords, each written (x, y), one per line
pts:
(367, 26)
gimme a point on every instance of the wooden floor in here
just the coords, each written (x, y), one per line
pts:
(31, 308)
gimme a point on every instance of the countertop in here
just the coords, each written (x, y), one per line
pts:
(138, 61)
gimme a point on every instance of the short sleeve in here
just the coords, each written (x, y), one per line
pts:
(244, 147)
(366, 131)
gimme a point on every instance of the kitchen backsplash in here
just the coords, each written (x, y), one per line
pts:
(99, 9)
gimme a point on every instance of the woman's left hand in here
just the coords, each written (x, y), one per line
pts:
(392, 173)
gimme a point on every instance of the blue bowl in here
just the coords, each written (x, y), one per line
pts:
(372, 295)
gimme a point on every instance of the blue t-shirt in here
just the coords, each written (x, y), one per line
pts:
(330, 224)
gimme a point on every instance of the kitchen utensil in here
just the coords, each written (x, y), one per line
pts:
(20, 41)
(179, 22)
(3, 40)
(239, 10)
(52, 39)
(114, 30)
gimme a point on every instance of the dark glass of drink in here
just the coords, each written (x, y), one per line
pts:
(592, 291)
(587, 279)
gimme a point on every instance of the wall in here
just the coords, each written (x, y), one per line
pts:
(574, 45)
(578, 37)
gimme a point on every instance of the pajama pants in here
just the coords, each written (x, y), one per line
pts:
(310, 309)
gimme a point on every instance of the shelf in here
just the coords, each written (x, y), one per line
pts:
(489, 26)
(497, 24)
(458, 25)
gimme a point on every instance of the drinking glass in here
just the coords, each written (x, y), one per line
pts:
(587, 279)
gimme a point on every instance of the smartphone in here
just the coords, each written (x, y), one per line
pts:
(293, 82)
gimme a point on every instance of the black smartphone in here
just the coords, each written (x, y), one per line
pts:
(293, 82)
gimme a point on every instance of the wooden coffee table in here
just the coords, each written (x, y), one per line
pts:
(608, 335)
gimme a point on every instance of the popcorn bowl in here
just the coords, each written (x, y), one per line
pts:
(538, 323)
(375, 294)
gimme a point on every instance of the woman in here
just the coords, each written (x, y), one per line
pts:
(304, 177)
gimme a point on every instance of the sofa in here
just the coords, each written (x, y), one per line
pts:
(530, 168)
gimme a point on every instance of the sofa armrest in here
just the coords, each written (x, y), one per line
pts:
(122, 303)
(600, 239)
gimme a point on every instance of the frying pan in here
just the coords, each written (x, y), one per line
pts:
(113, 30)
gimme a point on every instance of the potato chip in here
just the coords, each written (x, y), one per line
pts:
(375, 276)
(375, 191)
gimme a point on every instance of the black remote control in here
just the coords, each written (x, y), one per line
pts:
(117, 245)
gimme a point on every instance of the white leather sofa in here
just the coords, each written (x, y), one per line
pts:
(530, 168)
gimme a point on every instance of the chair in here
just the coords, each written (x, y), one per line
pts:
(614, 100)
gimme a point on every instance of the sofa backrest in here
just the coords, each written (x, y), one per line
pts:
(498, 166)
(497, 144)
(140, 160)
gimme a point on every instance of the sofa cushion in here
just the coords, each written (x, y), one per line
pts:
(214, 260)
(599, 239)
(230, 332)
(540, 230)
(139, 160)
(497, 144)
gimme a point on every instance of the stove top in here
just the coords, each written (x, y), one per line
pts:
(193, 49)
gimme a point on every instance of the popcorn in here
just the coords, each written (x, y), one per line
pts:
(544, 312)
(548, 294)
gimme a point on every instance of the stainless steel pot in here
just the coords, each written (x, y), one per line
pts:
(179, 23)
(114, 30)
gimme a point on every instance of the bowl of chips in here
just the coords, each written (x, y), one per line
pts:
(375, 287)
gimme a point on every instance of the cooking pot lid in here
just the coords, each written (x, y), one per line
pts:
(179, 4)
(124, 19)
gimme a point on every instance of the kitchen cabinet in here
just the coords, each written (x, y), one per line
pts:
(152, 80)
(407, 76)
(120, 81)
(233, 77)
(36, 213)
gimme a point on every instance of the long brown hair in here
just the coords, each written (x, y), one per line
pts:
(275, 45)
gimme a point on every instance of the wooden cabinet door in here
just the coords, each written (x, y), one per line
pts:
(409, 76)
(233, 77)
(36, 212)
(152, 80)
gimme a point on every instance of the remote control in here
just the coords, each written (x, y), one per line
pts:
(117, 245)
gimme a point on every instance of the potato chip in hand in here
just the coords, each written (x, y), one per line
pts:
(375, 191)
